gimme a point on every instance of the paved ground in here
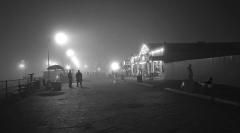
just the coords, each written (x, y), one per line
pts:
(226, 92)
(127, 107)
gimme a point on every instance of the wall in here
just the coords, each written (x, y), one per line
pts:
(224, 70)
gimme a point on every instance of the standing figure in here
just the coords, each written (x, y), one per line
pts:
(79, 78)
(114, 78)
(70, 79)
(190, 72)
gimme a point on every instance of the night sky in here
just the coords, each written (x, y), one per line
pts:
(102, 31)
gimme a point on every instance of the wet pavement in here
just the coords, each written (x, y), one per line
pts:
(102, 107)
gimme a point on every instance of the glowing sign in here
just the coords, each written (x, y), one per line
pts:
(158, 52)
(144, 49)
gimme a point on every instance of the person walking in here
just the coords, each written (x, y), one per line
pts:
(70, 79)
(114, 78)
(79, 78)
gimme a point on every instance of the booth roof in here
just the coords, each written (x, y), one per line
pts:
(55, 67)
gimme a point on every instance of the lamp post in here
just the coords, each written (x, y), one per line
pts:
(60, 38)
(115, 67)
(22, 67)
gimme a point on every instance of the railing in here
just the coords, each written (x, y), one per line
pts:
(11, 86)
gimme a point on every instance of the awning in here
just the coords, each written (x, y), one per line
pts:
(55, 67)
(189, 51)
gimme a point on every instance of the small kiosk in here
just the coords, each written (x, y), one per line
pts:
(54, 77)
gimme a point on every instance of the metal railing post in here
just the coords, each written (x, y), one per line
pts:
(19, 83)
(6, 89)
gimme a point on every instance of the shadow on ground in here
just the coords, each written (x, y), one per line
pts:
(84, 87)
(51, 93)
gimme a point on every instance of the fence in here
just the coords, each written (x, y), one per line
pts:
(11, 86)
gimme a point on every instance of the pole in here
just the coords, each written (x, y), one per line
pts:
(6, 89)
(48, 67)
(25, 73)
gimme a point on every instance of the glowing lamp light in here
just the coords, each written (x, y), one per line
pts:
(85, 66)
(99, 69)
(68, 67)
(51, 63)
(61, 38)
(54, 63)
(69, 52)
(158, 51)
(21, 66)
(142, 63)
(115, 66)
(75, 61)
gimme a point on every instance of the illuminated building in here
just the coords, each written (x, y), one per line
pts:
(220, 60)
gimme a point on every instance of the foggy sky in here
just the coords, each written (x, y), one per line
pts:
(102, 31)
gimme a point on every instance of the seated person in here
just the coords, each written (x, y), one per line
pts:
(207, 84)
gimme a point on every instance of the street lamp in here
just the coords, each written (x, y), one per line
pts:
(115, 66)
(75, 61)
(68, 67)
(69, 52)
(61, 38)
(85, 66)
(22, 67)
(99, 69)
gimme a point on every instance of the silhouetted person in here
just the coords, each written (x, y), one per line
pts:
(70, 79)
(190, 72)
(207, 84)
(61, 77)
(114, 75)
(31, 77)
(79, 78)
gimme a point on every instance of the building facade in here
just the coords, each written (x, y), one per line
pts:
(145, 63)
(221, 61)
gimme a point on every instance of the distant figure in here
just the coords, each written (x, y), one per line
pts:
(207, 84)
(190, 72)
(44, 82)
(70, 79)
(182, 84)
(114, 75)
(79, 78)
(31, 77)
(61, 77)
(122, 76)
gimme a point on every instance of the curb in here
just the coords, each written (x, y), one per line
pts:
(205, 97)
(195, 95)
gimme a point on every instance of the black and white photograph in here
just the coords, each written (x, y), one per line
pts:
(119, 66)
